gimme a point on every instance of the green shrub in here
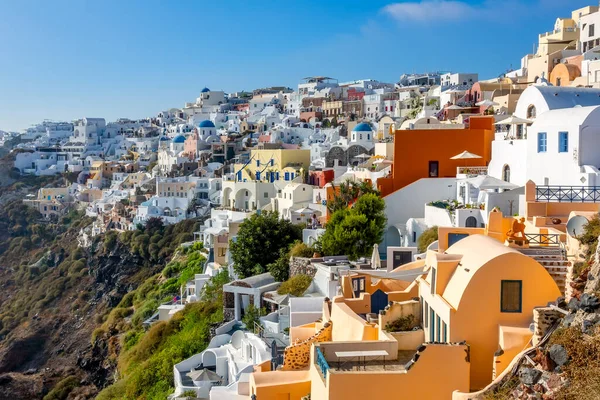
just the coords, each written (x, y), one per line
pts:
(427, 237)
(62, 389)
(299, 249)
(295, 286)
(401, 324)
(252, 315)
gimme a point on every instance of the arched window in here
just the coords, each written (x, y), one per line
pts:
(531, 111)
(471, 222)
(506, 173)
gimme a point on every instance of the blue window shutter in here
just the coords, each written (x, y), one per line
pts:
(542, 144)
(277, 175)
(258, 163)
(563, 142)
(287, 176)
(257, 175)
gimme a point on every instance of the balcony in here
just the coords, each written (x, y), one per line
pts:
(471, 171)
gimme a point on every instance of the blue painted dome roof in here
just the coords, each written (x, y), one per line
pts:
(362, 127)
(179, 139)
(163, 138)
(205, 90)
(206, 124)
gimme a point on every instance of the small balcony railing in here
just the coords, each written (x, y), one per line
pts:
(322, 363)
(543, 239)
(567, 194)
(474, 171)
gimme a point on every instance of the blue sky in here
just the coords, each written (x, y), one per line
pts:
(65, 59)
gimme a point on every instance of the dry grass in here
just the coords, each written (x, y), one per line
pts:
(503, 391)
(583, 369)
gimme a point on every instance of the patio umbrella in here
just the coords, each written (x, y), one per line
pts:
(487, 103)
(464, 156)
(383, 161)
(375, 259)
(364, 156)
(455, 107)
(486, 182)
(305, 210)
(204, 375)
(513, 120)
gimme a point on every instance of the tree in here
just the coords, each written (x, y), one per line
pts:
(347, 192)
(428, 236)
(354, 231)
(334, 122)
(259, 241)
(280, 269)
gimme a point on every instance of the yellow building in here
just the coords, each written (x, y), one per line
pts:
(465, 316)
(476, 290)
(269, 165)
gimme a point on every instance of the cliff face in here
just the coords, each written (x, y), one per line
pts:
(53, 314)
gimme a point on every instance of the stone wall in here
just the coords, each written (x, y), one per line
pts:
(543, 319)
(297, 356)
(301, 266)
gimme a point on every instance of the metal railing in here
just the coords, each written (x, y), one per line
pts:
(543, 239)
(568, 194)
(322, 363)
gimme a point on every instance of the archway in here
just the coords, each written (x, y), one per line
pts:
(506, 173)
(471, 222)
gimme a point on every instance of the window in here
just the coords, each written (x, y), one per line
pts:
(563, 142)
(431, 324)
(506, 173)
(414, 237)
(531, 111)
(444, 332)
(542, 142)
(266, 195)
(511, 296)
(258, 163)
(437, 328)
(434, 169)
(258, 175)
(433, 273)
(425, 313)
(591, 30)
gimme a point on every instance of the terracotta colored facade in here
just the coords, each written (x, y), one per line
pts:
(320, 178)
(417, 152)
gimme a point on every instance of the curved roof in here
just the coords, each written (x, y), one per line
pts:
(572, 116)
(476, 251)
(546, 98)
(179, 139)
(206, 124)
(205, 90)
(362, 127)
(164, 138)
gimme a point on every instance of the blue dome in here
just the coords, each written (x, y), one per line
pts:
(205, 90)
(163, 138)
(206, 124)
(362, 127)
(179, 139)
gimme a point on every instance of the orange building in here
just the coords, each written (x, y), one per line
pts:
(425, 153)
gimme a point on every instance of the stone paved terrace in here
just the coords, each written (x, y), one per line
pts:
(404, 356)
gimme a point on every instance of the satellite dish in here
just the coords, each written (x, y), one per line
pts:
(575, 225)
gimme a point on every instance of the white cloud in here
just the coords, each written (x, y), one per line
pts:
(445, 10)
(428, 10)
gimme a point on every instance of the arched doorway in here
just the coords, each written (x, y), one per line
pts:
(471, 222)
(506, 173)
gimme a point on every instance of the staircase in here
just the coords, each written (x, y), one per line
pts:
(554, 260)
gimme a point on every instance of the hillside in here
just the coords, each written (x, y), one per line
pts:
(54, 295)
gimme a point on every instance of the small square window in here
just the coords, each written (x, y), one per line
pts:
(511, 296)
